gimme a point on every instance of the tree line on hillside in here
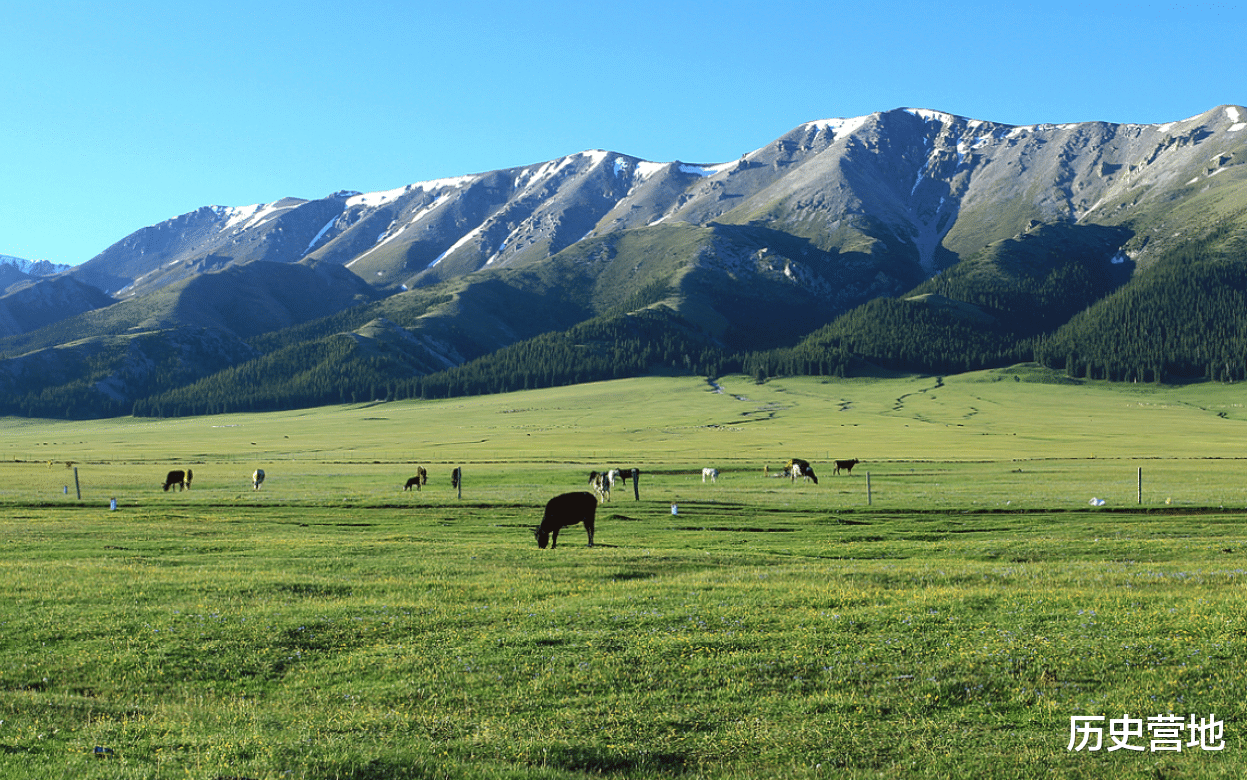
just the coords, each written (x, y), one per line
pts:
(1183, 318)
(338, 370)
(987, 311)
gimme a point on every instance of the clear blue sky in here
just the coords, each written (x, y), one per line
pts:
(116, 116)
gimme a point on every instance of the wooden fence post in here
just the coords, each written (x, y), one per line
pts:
(869, 498)
(77, 487)
(636, 488)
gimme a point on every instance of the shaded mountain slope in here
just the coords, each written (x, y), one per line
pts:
(983, 312)
(1183, 318)
(243, 300)
(31, 304)
(912, 239)
(103, 375)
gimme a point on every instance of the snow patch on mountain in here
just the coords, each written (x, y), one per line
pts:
(453, 182)
(644, 169)
(839, 126)
(34, 267)
(382, 240)
(315, 240)
(596, 156)
(378, 199)
(706, 170)
(530, 177)
(461, 242)
(1232, 113)
(927, 115)
(247, 217)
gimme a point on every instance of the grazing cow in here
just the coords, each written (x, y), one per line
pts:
(713, 474)
(420, 480)
(564, 510)
(257, 479)
(847, 465)
(800, 468)
(601, 483)
(454, 479)
(179, 478)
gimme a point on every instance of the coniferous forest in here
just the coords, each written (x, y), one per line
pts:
(1049, 297)
(1184, 319)
(339, 370)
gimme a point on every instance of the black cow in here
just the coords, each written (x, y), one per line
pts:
(180, 478)
(801, 468)
(564, 510)
(847, 465)
(420, 480)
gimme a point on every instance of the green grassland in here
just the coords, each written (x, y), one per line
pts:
(946, 621)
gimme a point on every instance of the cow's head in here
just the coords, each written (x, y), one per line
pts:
(543, 537)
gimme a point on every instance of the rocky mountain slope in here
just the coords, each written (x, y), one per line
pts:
(923, 185)
(754, 253)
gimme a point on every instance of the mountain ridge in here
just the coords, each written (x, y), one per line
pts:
(929, 168)
(756, 253)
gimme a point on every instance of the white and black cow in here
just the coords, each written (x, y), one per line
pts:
(257, 479)
(600, 481)
(801, 468)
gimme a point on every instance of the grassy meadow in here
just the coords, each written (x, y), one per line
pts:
(943, 611)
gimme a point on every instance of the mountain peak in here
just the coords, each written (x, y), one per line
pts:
(33, 267)
(918, 185)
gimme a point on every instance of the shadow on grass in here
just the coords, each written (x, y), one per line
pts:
(592, 760)
(731, 529)
(574, 759)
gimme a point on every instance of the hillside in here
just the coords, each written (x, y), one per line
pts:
(909, 239)
(1185, 319)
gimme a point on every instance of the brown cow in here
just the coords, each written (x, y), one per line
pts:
(420, 480)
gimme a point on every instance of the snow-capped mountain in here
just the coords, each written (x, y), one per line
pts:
(752, 254)
(921, 186)
(33, 267)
